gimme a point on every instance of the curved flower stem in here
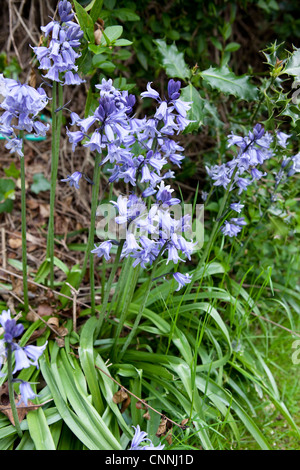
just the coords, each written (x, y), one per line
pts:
(11, 391)
(88, 255)
(23, 230)
(56, 131)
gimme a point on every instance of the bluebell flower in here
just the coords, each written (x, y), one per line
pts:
(65, 11)
(282, 138)
(182, 279)
(295, 168)
(34, 353)
(15, 145)
(2, 355)
(233, 227)
(26, 393)
(11, 329)
(103, 249)
(24, 356)
(21, 105)
(150, 93)
(106, 87)
(74, 179)
(140, 438)
(237, 207)
(59, 57)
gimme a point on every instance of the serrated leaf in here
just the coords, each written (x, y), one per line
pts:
(12, 171)
(227, 82)
(173, 60)
(292, 66)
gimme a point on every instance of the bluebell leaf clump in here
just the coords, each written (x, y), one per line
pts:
(22, 105)
(140, 439)
(59, 57)
(25, 357)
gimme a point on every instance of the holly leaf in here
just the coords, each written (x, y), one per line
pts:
(292, 66)
(225, 81)
(173, 60)
(12, 171)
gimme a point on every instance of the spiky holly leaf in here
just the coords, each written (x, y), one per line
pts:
(227, 82)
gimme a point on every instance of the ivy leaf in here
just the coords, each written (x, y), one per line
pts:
(196, 113)
(12, 171)
(227, 82)
(40, 183)
(173, 60)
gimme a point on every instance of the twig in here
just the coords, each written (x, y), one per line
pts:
(3, 247)
(276, 324)
(31, 309)
(43, 287)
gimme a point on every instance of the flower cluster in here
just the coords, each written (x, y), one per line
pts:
(149, 234)
(59, 56)
(242, 170)
(253, 150)
(116, 131)
(139, 441)
(24, 356)
(21, 104)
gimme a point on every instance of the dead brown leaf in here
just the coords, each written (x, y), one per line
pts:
(15, 243)
(120, 396)
(22, 409)
(162, 428)
(169, 437)
(44, 210)
(45, 310)
(125, 404)
(147, 415)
